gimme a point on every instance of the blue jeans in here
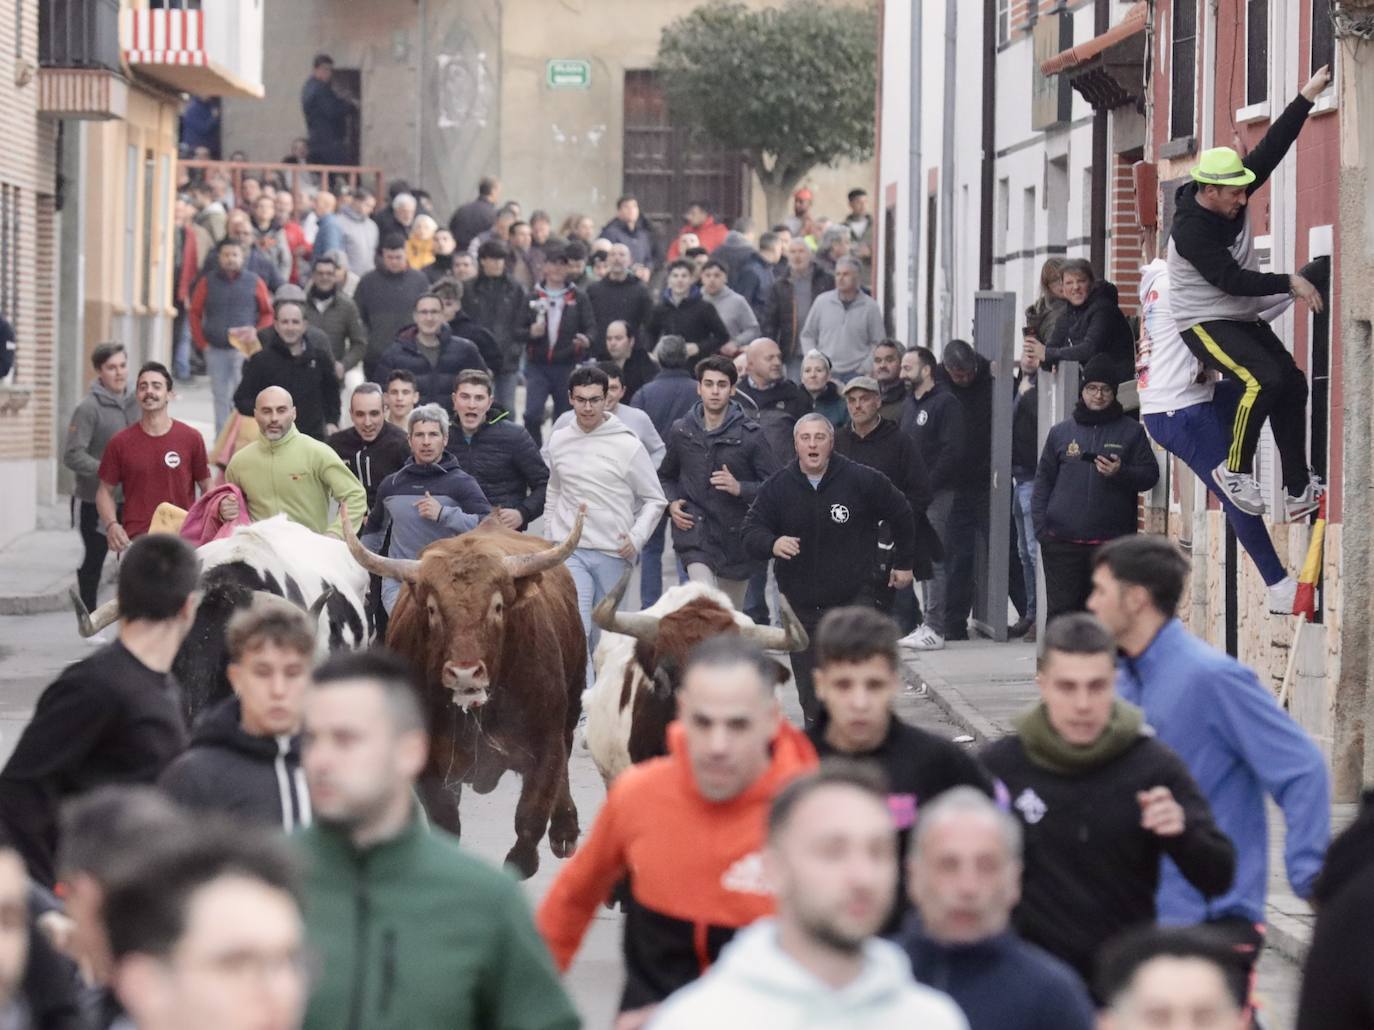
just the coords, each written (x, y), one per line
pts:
(181, 347)
(1026, 545)
(651, 565)
(595, 573)
(504, 384)
(225, 365)
(541, 382)
(1200, 437)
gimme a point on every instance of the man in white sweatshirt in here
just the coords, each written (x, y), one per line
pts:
(831, 860)
(599, 461)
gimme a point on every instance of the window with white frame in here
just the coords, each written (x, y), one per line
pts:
(1183, 69)
(1256, 51)
(1003, 22)
(1323, 36)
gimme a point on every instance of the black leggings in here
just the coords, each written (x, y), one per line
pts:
(88, 575)
(1275, 389)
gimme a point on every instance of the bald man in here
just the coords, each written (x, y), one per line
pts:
(288, 473)
(328, 236)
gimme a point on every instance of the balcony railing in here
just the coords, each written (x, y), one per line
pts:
(79, 34)
(301, 180)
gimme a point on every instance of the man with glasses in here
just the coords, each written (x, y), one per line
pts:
(431, 351)
(1094, 465)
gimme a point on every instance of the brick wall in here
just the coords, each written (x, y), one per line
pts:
(27, 162)
(1124, 237)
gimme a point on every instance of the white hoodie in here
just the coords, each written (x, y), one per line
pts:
(610, 472)
(1167, 374)
(756, 986)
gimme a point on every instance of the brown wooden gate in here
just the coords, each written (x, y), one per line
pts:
(665, 171)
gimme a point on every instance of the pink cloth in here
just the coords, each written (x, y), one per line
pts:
(203, 523)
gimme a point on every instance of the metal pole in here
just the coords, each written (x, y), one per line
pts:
(947, 174)
(916, 185)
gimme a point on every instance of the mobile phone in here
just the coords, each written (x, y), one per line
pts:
(1089, 455)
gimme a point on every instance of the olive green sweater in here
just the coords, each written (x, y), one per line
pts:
(296, 476)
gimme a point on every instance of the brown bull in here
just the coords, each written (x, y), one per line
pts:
(489, 619)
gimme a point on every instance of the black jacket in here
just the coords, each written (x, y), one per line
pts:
(695, 320)
(258, 779)
(435, 382)
(667, 398)
(628, 301)
(1097, 326)
(936, 423)
(975, 464)
(896, 456)
(1072, 500)
(1001, 982)
(326, 121)
(693, 453)
(777, 408)
(386, 302)
(1337, 988)
(471, 220)
(308, 377)
(578, 317)
(502, 306)
(372, 462)
(779, 320)
(638, 370)
(505, 461)
(918, 767)
(1091, 871)
(837, 524)
(1025, 431)
(466, 327)
(108, 719)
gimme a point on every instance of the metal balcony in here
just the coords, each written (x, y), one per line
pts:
(79, 34)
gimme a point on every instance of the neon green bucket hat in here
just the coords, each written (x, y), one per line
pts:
(1221, 166)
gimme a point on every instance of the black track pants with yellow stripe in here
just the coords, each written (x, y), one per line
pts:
(1273, 386)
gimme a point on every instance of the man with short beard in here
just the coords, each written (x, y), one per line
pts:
(447, 939)
(331, 311)
(288, 360)
(619, 296)
(789, 302)
(831, 860)
(887, 365)
(319, 475)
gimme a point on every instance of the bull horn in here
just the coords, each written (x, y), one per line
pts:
(90, 623)
(407, 570)
(326, 595)
(790, 636)
(633, 624)
(520, 565)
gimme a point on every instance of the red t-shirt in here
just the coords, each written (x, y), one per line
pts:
(153, 469)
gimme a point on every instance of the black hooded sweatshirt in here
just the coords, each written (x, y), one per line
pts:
(1097, 326)
(226, 769)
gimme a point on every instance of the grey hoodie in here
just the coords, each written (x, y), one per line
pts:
(360, 240)
(756, 984)
(98, 417)
(739, 318)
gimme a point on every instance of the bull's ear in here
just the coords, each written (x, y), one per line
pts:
(665, 676)
(781, 672)
(525, 588)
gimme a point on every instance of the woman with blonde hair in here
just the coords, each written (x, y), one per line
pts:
(420, 245)
(1043, 315)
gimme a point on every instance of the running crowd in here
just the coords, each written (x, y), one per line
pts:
(271, 865)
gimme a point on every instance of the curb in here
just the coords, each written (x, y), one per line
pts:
(55, 600)
(1284, 935)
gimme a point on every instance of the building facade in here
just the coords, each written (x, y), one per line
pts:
(558, 100)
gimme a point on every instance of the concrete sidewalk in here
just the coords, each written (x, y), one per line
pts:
(983, 686)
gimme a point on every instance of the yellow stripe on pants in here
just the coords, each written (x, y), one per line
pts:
(1247, 400)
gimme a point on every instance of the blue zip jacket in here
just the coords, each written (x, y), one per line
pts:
(463, 506)
(1239, 745)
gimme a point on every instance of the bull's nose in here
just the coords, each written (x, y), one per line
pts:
(455, 674)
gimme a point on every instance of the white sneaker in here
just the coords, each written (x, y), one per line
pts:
(1282, 596)
(1305, 503)
(923, 638)
(1240, 489)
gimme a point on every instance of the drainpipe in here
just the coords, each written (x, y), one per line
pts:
(947, 174)
(988, 171)
(1097, 235)
(916, 180)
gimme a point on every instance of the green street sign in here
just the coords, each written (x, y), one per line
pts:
(568, 74)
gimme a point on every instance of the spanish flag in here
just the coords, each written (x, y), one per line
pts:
(1305, 602)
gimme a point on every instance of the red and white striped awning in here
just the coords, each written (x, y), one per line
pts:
(167, 37)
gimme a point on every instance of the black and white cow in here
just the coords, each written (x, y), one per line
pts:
(274, 556)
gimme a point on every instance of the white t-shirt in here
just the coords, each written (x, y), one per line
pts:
(1166, 373)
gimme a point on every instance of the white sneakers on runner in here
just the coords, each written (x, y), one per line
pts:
(1240, 488)
(1282, 596)
(1307, 502)
(923, 638)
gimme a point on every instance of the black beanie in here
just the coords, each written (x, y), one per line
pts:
(1101, 369)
